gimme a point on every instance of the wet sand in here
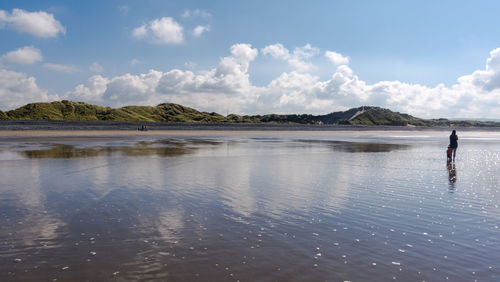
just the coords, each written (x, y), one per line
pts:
(364, 133)
(248, 205)
(116, 135)
(131, 133)
(106, 135)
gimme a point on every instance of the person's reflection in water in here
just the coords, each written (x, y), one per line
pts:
(452, 175)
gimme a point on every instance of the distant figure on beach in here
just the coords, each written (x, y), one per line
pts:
(454, 143)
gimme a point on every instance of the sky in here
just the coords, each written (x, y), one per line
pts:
(430, 59)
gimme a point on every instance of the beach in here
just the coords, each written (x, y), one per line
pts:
(226, 205)
(249, 141)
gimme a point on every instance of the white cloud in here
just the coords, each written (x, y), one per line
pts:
(40, 24)
(91, 92)
(305, 52)
(277, 51)
(227, 88)
(230, 76)
(336, 58)
(26, 55)
(161, 31)
(228, 84)
(132, 89)
(297, 59)
(199, 30)
(140, 32)
(196, 13)
(95, 67)
(61, 68)
(17, 89)
(118, 91)
(3, 18)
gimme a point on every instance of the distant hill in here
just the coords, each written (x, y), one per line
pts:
(68, 110)
(170, 112)
(373, 116)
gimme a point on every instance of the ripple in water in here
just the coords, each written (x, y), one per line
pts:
(293, 208)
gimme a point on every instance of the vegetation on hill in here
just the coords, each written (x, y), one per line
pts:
(380, 116)
(169, 112)
(68, 110)
(63, 110)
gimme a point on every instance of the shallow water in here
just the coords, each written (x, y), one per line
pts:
(303, 207)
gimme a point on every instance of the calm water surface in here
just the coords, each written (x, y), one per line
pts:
(332, 207)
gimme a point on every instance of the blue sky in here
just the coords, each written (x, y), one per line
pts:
(427, 58)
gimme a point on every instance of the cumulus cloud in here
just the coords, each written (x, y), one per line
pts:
(92, 91)
(305, 52)
(475, 95)
(40, 24)
(227, 84)
(17, 89)
(27, 55)
(132, 89)
(277, 51)
(336, 58)
(60, 67)
(121, 90)
(161, 31)
(199, 30)
(296, 59)
(140, 32)
(227, 88)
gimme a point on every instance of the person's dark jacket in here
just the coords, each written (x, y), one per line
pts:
(453, 141)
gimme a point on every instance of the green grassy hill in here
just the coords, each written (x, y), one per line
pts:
(68, 110)
(169, 112)
(63, 110)
(381, 116)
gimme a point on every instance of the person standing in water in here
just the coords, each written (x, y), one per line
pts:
(454, 143)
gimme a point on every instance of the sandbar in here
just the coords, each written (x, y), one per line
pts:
(95, 135)
(12, 135)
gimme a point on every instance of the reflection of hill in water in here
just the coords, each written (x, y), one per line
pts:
(162, 148)
(170, 148)
(368, 147)
(362, 147)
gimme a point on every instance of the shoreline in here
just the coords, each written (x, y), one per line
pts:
(44, 125)
(89, 134)
(21, 131)
(188, 132)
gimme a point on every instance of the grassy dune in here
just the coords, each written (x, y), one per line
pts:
(169, 112)
(69, 110)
